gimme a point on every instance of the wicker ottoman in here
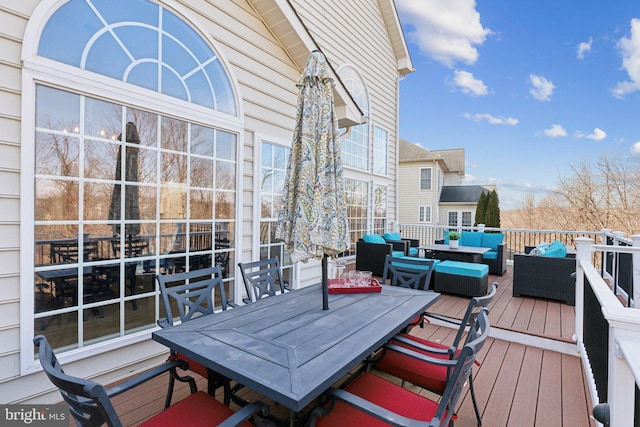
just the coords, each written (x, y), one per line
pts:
(461, 278)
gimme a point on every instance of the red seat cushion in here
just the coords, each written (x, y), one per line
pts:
(383, 393)
(199, 409)
(423, 374)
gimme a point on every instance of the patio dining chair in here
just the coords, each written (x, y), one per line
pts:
(186, 296)
(262, 279)
(370, 400)
(90, 403)
(431, 376)
(414, 273)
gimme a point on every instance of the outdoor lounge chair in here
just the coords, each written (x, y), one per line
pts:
(90, 403)
(261, 278)
(426, 375)
(370, 400)
(372, 249)
(191, 295)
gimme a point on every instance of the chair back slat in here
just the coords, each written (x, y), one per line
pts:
(193, 293)
(407, 273)
(87, 400)
(261, 278)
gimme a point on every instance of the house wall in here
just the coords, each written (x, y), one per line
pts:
(354, 33)
(265, 75)
(410, 196)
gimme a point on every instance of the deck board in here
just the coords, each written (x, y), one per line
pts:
(516, 384)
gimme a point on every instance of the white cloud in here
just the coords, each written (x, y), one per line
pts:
(468, 84)
(584, 47)
(492, 120)
(446, 31)
(630, 51)
(597, 135)
(541, 88)
(635, 149)
(555, 131)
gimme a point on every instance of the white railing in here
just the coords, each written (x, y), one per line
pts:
(619, 373)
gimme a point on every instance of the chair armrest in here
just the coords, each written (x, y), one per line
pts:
(450, 351)
(413, 243)
(245, 413)
(400, 245)
(145, 376)
(365, 406)
(163, 323)
(423, 357)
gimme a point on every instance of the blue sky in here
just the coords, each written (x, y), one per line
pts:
(525, 87)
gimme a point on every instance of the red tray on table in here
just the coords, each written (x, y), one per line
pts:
(337, 286)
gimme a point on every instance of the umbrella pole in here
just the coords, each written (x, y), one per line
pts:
(325, 284)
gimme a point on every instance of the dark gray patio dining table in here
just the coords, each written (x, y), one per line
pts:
(290, 350)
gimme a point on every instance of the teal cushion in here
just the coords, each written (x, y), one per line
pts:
(556, 250)
(471, 238)
(413, 252)
(397, 253)
(462, 268)
(490, 255)
(392, 236)
(492, 240)
(373, 238)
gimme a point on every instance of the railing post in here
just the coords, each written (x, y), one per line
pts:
(622, 384)
(636, 272)
(583, 255)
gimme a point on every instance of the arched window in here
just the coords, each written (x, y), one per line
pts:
(138, 42)
(134, 156)
(355, 147)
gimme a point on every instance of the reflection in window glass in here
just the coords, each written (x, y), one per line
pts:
(106, 221)
(379, 209)
(272, 172)
(106, 37)
(356, 197)
(380, 144)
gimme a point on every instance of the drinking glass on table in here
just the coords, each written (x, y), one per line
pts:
(365, 278)
(352, 278)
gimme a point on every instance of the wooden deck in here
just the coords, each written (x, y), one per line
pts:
(517, 384)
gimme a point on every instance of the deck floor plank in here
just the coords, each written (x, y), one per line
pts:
(505, 385)
(523, 412)
(549, 407)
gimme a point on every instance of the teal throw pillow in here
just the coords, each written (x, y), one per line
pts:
(556, 250)
(492, 240)
(392, 236)
(373, 238)
(471, 238)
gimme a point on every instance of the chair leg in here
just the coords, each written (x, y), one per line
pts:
(473, 399)
(173, 376)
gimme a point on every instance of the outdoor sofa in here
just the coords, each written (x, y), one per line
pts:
(495, 257)
(545, 276)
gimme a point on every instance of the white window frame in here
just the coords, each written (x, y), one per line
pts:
(37, 69)
(430, 169)
(425, 214)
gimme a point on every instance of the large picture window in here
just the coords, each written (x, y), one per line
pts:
(123, 190)
(356, 197)
(380, 148)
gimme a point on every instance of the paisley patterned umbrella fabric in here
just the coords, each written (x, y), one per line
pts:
(313, 220)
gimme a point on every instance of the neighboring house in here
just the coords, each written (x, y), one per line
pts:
(146, 136)
(430, 190)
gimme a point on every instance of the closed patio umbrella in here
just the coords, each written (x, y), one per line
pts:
(313, 219)
(132, 202)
